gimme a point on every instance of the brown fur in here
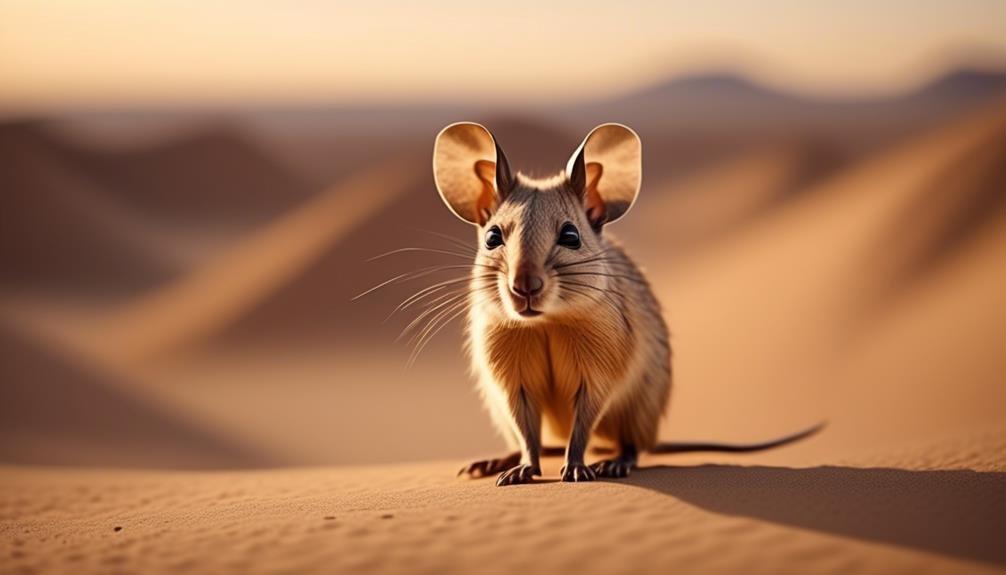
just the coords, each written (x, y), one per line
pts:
(608, 342)
(564, 333)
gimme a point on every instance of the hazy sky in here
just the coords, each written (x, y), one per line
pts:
(55, 53)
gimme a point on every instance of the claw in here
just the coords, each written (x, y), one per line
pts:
(613, 468)
(487, 467)
(523, 473)
(577, 472)
(474, 469)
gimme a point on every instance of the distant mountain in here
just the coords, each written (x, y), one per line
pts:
(710, 89)
(719, 114)
(723, 89)
(696, 119)
(962, 85)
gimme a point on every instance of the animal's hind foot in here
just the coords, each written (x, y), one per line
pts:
(522, 473)
(487, 467)
(613, 468)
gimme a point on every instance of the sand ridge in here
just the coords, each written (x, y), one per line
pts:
(418, 518)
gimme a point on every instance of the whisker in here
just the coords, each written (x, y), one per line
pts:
(431, 311)
(590, 258)
(414, 300)
(453, 305)
(456, 241)
(419, 249)
(430, 290)
(443, 323)
(447, 310)
(581, 284)
(587, 295)
(605, 294)
(445, 300)
(416, 274)
(606, 261)
(580, 292)
(442, 297)
(621, 276)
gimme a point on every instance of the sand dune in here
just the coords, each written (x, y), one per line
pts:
(819, 283)
(944, 515)
(804, 329)
(772, 355)
(804, 240)
(941, 221)
(215, 176)
(225, 289)
(87, 219)
(59, 409)
(317, 302)
(684, 212)
(59, 232)
(319, 256)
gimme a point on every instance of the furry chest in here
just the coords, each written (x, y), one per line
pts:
(553, 361)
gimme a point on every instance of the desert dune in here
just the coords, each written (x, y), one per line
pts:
(685, 212)
(808, 326)
(822, 271)
(41, 420)
(942, 513)
(60, 233)
(215, 175)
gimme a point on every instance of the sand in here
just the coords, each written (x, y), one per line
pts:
(864, 291)
(943, 512)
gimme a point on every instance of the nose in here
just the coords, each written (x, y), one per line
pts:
(527, 284)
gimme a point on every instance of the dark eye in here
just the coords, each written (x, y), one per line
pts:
(569, 236)
(494, 238)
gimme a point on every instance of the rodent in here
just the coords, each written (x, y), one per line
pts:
(564, 333)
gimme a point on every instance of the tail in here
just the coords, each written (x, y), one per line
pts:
(675, 447)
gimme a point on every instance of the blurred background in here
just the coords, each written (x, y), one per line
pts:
(190, 193)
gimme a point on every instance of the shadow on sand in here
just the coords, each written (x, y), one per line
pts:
(955, 512)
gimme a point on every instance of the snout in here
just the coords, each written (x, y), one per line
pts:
(525, 287)
(527, 284)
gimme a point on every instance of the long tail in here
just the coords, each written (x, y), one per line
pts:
(675, 447)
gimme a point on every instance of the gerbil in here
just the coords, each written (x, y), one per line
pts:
(564, 332)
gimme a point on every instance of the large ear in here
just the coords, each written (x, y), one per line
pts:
(606, 170)
(470, 170)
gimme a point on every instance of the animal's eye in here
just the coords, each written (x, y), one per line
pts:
(494, 238)
(569, 236)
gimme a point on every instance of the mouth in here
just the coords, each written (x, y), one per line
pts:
(529, 312)
(523, 307)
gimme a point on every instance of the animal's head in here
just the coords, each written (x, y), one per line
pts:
(540, 247)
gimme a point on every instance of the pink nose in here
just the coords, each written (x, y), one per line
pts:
(527, 284)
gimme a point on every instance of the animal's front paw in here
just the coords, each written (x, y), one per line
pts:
(522, 473)
(577, 472)
(488, 467)
(612, 468)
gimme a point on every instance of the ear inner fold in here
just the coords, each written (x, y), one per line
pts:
(592, 201)
(486, 202)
